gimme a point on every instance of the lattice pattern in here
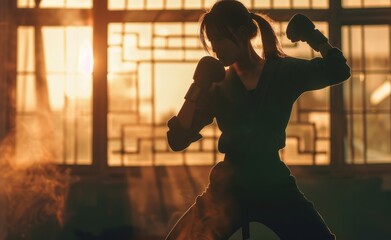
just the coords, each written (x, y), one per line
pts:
(367, 94)
(147, 63)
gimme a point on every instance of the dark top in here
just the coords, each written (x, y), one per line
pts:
(253, 123)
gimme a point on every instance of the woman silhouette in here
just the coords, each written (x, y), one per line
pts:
(252, 107)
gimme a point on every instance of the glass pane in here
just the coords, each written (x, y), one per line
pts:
(281, 4)
(308, 130)
(358, 81)
(155, 4)
(25, 92)
(356, 48)
(193, 4)
(377, 47)
(367, 93)
(164, 87)
(56, 4)
(379, 138)
(143, 95)
(365, 3)
(301, 3)
(26, 3)
(320, 3)
(54, 93)
(355, 147)
(315, 100)
(116, 5)
(377, 3)
(206, 4)
(25, 48)
(262, 4)
(352, 3)
(173, 4)
(378, 91)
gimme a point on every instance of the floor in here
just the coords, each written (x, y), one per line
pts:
(146, 201)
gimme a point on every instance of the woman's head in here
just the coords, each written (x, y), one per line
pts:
(231, 20)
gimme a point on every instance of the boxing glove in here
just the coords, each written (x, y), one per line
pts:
(208, 70)
(301, 28)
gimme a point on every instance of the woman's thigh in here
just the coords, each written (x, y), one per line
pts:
(215, 214)
(299, 221)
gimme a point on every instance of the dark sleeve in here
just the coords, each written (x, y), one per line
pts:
(180, 138)
(319, 72)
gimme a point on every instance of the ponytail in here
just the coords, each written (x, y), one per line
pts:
(226, 17)
(271, 45)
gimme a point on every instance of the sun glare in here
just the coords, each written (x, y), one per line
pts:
(86, 62)
(380, 93)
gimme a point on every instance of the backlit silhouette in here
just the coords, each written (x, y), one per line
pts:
(251, 103)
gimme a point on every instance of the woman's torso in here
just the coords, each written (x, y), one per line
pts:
(254, 121)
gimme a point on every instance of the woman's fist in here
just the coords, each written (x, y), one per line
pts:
(301, 28)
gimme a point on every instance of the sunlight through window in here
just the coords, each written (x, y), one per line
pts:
(64, 74)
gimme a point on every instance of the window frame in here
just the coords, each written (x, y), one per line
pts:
(335, 15)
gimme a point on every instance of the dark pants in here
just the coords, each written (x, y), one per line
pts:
(233, 198)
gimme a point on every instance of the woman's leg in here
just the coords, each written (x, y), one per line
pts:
(301, 222)
(290, 215)
(215, 215)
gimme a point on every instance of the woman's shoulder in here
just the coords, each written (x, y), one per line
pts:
(292, 60)
(288, 64)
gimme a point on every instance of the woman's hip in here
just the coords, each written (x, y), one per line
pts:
(246, 183)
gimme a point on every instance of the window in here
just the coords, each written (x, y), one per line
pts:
(142, 47)
(144, 93)
(55, 3)
(367, 94)
(365, 3)
(202, 4)
(53, 97)
(150, 68)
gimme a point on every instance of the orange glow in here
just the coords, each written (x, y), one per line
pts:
(31, 191)
(381, 93)
(86, 60)
(76, 82)
(68, 61)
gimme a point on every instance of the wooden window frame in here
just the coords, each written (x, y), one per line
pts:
(335, 15)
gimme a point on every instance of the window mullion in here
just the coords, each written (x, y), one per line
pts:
(337, 109)
(100, 101)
